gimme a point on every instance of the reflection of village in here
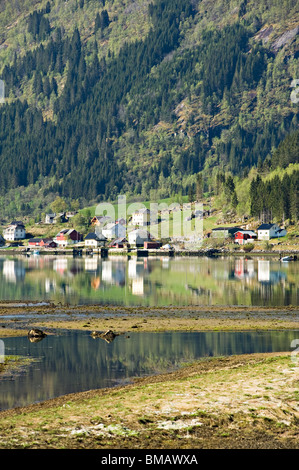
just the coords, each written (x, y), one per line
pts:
(135, 274)
(117, 271)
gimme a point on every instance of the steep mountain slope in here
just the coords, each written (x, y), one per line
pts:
(105, 97)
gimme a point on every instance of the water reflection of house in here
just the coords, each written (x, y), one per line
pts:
(75, 268)
(60, 265)
(114, 272)
(136, 272)
(119, 273)
(35, 262)
(91, 264)
(266, 275)
(244, 268)
(50, 285)
(263, 270)
(135, 269)
(221, 272)
(138, 286)
(165, 262)
(107, 271)
(13, 271)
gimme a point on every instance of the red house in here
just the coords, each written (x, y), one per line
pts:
(245, 236)
(68, 237)
(48, 243)
(44, 242)
(34, 241)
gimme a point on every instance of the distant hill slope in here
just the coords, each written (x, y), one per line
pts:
(138, 97)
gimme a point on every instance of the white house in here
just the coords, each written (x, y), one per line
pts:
(138, 237)
(114, 230)
(267, 231)
(50, 218)
(141, 217)
(13, 270)
(15, 231)
(93, 240)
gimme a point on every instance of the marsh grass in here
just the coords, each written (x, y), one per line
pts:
(190, 399)
(14, 365)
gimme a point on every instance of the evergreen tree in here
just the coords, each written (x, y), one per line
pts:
(38, 83)
(105, 21)
(47, 87)
(98, 22)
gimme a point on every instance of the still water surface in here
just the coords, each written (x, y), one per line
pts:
(150, 281)
(75, 362)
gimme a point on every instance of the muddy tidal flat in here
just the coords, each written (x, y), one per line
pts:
(17, 317)
(237, 402)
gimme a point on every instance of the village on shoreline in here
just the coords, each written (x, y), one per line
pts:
(140, 235)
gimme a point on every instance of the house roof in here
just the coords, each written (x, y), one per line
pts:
(109, 226)
(141, 211)
(141, 232)
(265, 226)
(41, 239)
(17, 223)
(226, 228)
(101, 218)
(247, 232)
(94, 236)
(67, 231)
(101, 236)
(118, 240)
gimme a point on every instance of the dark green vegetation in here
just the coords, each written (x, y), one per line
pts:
(277, 198)
(106, 97)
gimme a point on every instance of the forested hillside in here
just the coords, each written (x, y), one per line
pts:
(106, 97)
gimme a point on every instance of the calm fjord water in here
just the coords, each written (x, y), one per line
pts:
(74, 361)
(150, 281)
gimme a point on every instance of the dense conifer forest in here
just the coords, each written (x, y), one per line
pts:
(140, 97)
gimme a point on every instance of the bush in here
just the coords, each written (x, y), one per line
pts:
(267, 245)
(248, 247)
